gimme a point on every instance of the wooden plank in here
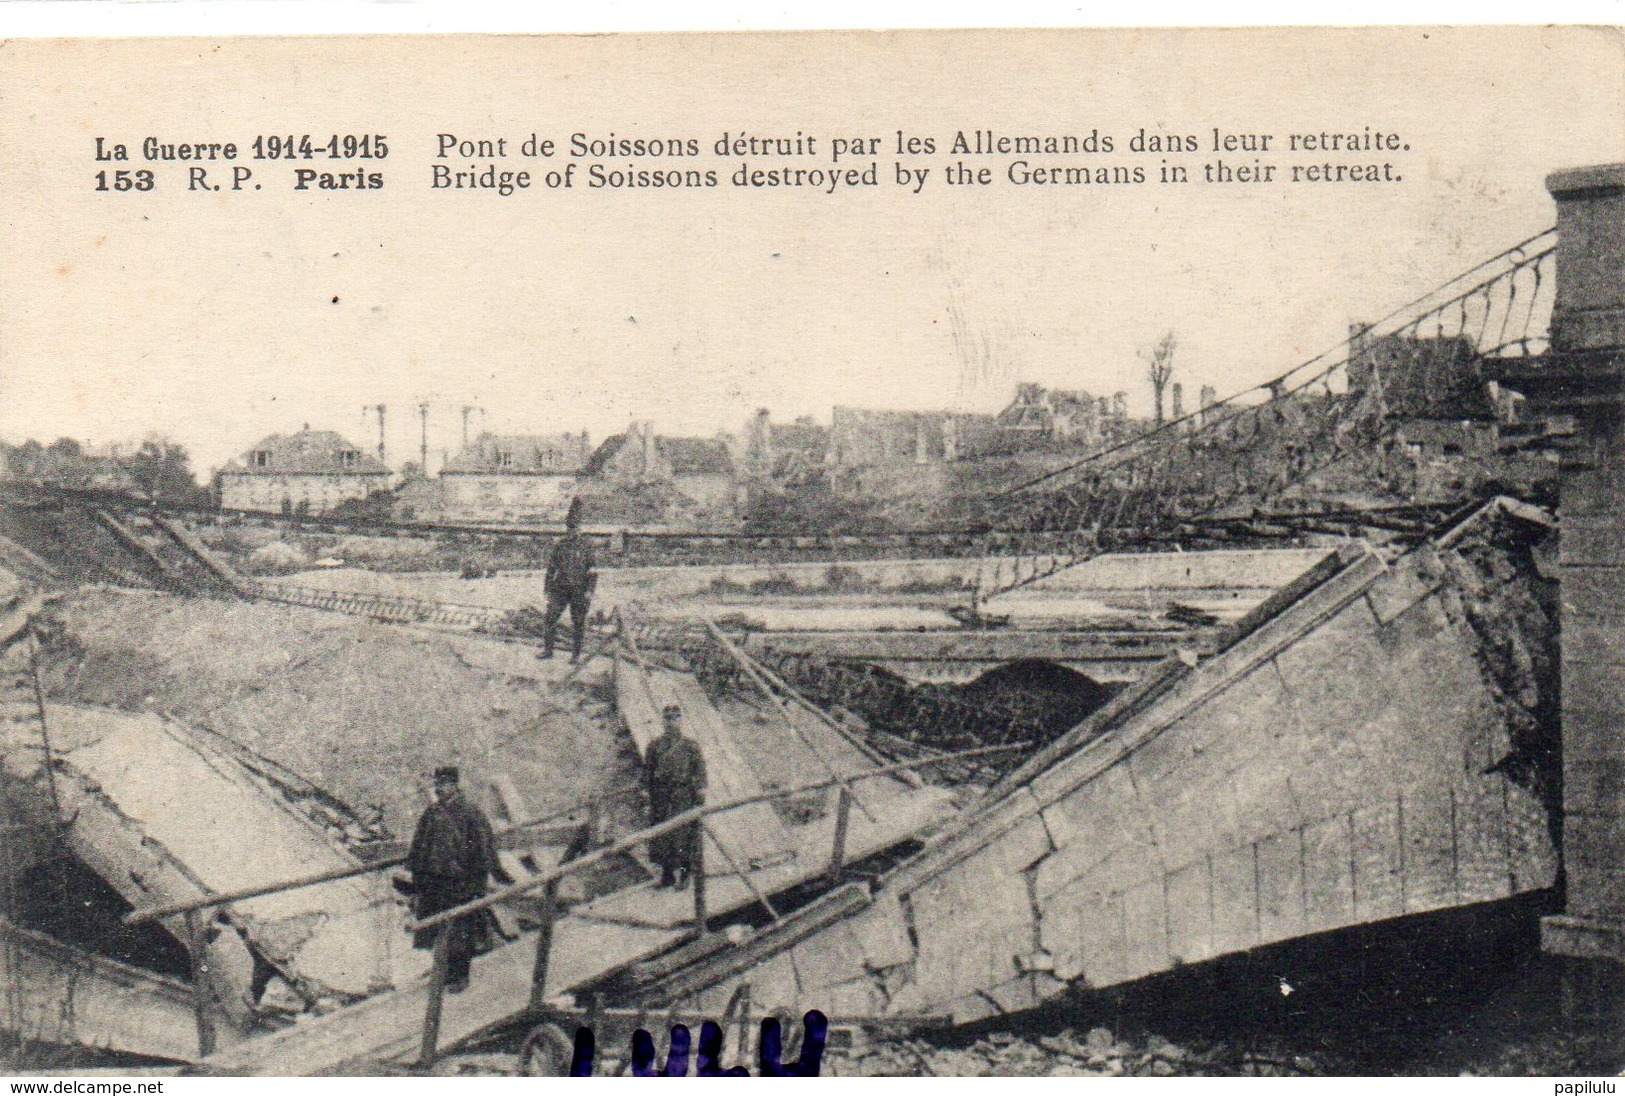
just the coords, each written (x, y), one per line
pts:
(518, 860)
(754, 833)
(513, 864)
(906, 816)
(781, 709)
(510, 804)
(386, 1027)
(730, 777)
(632, 701)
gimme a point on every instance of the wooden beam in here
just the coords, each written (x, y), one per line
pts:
(753, 672)
(429, 1046)
(632, 840)
(739, 869)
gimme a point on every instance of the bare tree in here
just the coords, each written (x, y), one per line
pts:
(1160, 368)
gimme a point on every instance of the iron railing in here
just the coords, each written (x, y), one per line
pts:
(1423, 359)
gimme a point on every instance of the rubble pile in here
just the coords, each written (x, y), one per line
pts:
(1095, 1053)
(1497, 569)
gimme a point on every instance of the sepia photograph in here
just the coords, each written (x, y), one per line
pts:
(915, 553)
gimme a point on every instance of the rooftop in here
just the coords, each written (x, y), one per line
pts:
(522, 454)
(307, 453)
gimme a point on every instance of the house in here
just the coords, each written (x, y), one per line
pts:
(509, 477)
(308, 472)
(701, 470)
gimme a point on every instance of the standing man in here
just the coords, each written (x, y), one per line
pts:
(674, 772)
(570, 581)
(453, 851)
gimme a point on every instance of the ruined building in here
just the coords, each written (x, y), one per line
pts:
(699, 471)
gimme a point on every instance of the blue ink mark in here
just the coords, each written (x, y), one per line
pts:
(815, 1027)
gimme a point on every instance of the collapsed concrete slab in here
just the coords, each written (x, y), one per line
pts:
(963, 655)
(1348, 756)
(163, 818)
(765, 856)
(60, 995)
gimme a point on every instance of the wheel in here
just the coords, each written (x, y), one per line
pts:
(547, 1052)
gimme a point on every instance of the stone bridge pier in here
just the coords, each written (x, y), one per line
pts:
(1577, 387)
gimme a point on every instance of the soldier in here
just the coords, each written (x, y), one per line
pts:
(569, 581)
(452, 852)
(674, 772)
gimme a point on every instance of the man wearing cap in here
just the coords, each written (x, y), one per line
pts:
(569, 581)
(453, 851)
(674, 773)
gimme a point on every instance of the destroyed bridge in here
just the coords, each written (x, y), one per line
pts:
(1182, 704)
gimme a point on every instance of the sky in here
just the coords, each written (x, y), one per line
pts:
(218, 317)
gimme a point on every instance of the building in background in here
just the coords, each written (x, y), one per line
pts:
(514, 477)
(695, 473)
(781, 454)
(310, 472)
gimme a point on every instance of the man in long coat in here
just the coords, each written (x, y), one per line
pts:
(674, 773)
(453, 851)
(569, 582)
